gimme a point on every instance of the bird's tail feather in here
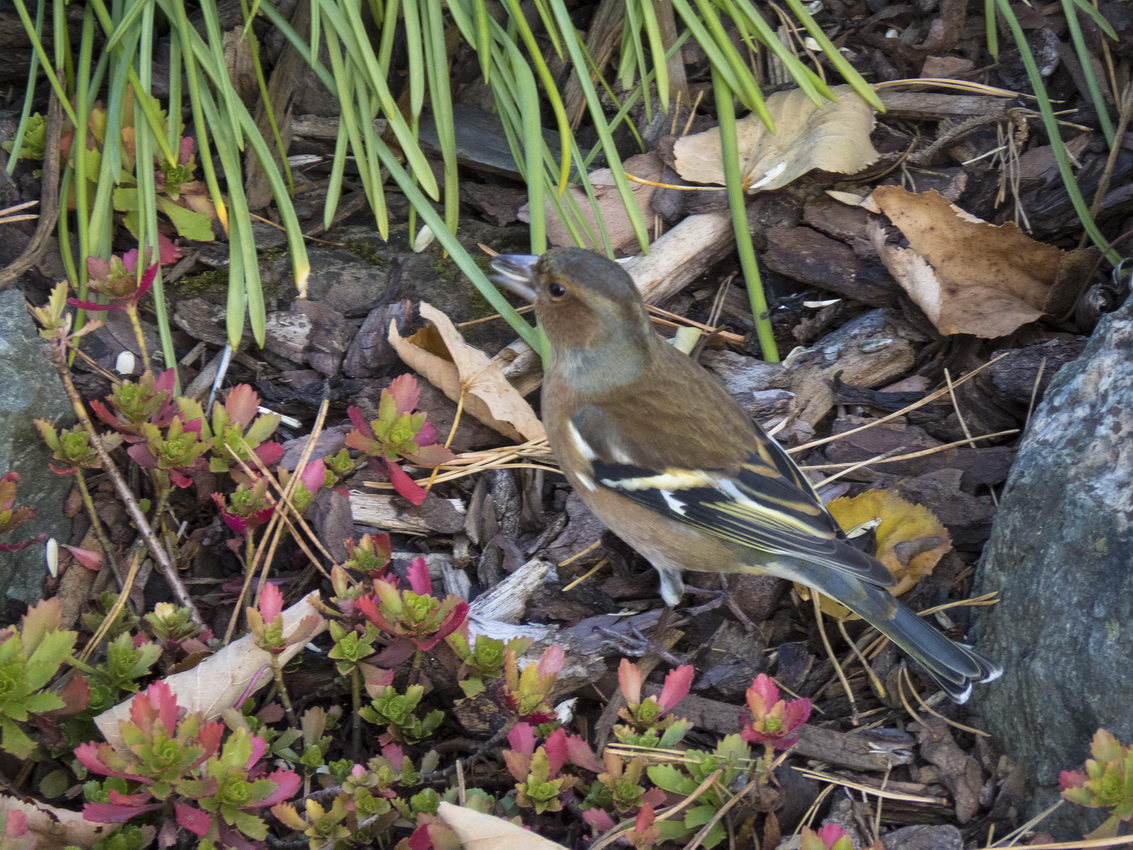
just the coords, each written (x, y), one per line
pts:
(954, 666)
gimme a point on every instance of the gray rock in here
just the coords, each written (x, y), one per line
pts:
(1060, 554)
(30, 390)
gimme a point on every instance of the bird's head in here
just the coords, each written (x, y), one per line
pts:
(584, 302)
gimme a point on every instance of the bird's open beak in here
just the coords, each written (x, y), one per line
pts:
(516, 273)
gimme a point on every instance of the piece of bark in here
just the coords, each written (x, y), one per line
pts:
(958, 770)
(395, 515)
(869, 351)
(808, 256)
(930, 106)
(370, 352)
(507, 601)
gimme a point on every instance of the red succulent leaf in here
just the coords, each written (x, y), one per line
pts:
(141, 455)
(368, 605)
(450, 624)
(556, 749)
(598, 820)
(678, 682)
(314, 474)
(94, 306)
(418, 574)
(271, 602)
(111, 813)
(156, 704)
(830, 833)
(167, 251)
(405, 393)
(580, 754)
(89, 558)
(419, 839)
(193, 819)
(354, 413)
(521, 736)
(242, 404)
(403, 484)
(180, 479)
(551, 661)
(762, 695)
(1071, 779)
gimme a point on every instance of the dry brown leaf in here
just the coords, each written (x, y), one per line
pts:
(478, 831)
(833, 137)
(439, 354)
(908, 539)
(619, 229)
(223, 679)
(54, 827)
(967, 275)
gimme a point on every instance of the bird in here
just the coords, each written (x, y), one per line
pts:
(664, 456)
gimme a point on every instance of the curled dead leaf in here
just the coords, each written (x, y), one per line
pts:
(478, 831)
(833, 136)
(224, 678)
(439, 354)
(967, 275)
(908, 539)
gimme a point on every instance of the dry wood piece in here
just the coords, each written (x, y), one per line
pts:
(869, 351)
(932, 106)
(392, 513)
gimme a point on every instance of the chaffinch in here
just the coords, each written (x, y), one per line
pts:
(663, 455)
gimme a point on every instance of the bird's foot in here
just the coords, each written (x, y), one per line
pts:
(632, 642)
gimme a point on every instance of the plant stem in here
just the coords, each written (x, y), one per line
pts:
(139, 335)
(96, 526)
(284, 697)
(160, 556)
(729, 150)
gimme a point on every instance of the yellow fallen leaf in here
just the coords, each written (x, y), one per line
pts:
(439, 354)
(478, 831)
(908, 539)
(833, 137)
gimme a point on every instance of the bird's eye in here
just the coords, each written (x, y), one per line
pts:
(556, 290)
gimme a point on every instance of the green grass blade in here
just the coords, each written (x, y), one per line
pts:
(549, 87)
(1098, 18)
(991, 31)
(657, 52)
(45, 61)
(1050, 124)
(744, 13)
(1084, 60)
(440, 99)
(348, 23)
(415, 55)
(148, 250)
(835, 57)
(29, 95)
(729, 151)
(625, 192)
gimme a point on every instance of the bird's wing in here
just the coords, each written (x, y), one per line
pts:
(764, 503)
